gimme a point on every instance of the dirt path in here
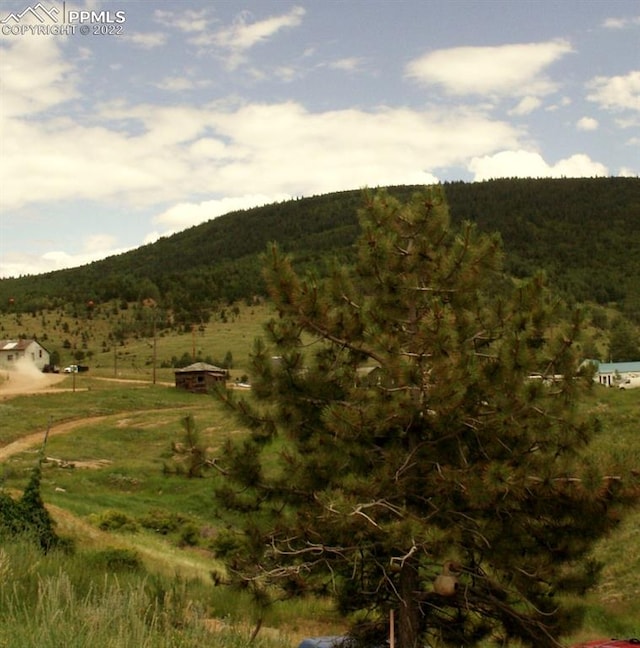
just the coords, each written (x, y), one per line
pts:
(36, 438)
(17, 383)
(186, 562)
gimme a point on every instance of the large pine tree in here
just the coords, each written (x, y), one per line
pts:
(401, 455)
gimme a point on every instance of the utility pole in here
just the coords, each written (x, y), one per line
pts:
(155, 347)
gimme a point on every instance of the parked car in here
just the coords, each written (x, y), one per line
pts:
(610, 643)
(75, 368)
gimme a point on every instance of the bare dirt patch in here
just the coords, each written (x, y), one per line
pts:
(94, 464)
(16, 383)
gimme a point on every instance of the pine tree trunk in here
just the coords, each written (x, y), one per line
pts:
(409, 611)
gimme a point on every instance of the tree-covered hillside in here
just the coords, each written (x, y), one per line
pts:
(585, 233)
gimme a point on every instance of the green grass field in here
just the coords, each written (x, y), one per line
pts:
(230, 330)
(113, 483)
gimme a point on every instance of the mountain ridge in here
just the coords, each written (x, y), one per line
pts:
(584, 233)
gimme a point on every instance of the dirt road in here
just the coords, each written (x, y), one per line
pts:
(15, 383)
(31, 440)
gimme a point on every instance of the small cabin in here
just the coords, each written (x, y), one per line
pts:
(200, 377)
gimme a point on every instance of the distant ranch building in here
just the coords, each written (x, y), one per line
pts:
(11, 351)
(200, 377)
(612, 374)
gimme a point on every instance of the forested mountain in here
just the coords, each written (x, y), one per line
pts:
(585, 233)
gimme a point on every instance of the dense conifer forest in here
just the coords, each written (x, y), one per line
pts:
(584, 233)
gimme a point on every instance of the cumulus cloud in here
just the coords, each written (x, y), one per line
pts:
(506, 70)
(145, 154)
(617, 92)
(350, 64)
(185, 214)
(186, 20)
(188, 163)
(587, 124)
(99, 243)
(527, 164)
(621, 23)
(14, 264)
(180, 83)
(35, 76)
(146, 40)
(526, 106)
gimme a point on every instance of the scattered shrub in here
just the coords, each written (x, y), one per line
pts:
(113, 520)
(163, 521)
(115, 559)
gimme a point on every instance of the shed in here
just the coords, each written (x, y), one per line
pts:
(200, 377)
(13, 351)
(613, 373)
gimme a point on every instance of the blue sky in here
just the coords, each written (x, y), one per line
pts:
(169, 113)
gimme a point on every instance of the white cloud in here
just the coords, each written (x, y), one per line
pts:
(79, 128)
(286, 73)
(243, 35)
(621, 23)
(14, 264)
(189, 21)
(272, 148)
(616, 93)
(350, 64)
(35, 76)
(185, 215)
(526, 106)
(147, 40)
(302, 152)
(99, 243)
(506, 70)
(527, 164)
(179, 84)
(587, 124)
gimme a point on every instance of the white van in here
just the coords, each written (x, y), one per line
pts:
(630, 383)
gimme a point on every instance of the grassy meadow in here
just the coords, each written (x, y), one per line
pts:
(142, 573)
(231, 330)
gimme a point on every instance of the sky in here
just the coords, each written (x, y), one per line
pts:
(121, 122)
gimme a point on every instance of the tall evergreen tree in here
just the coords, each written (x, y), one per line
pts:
(624, 342)
(401, 457)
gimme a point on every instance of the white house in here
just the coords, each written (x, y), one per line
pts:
(13, 350)
(612, 374)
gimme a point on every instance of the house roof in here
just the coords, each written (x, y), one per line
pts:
(200, 366)
(620, 367)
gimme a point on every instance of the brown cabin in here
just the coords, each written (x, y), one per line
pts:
(200, 377)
